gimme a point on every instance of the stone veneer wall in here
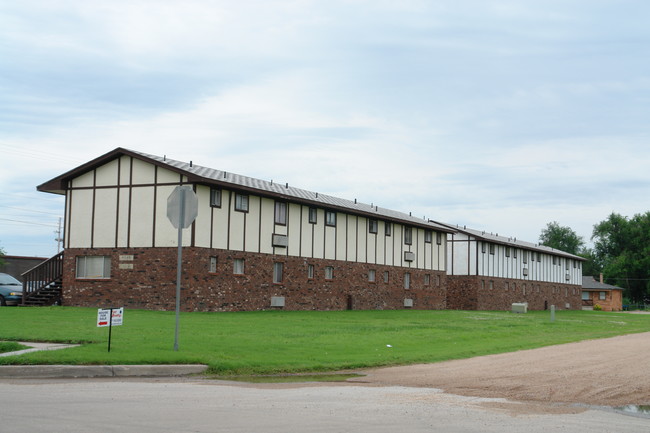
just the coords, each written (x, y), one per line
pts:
(474, 293)
(146, 278)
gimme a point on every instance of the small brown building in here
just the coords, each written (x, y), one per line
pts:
(596, 292)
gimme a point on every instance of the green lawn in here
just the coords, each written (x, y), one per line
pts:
(273, 341)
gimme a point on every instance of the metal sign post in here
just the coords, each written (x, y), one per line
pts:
(182, 209)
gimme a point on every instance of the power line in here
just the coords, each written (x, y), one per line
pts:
(29, 222)
(31, 210)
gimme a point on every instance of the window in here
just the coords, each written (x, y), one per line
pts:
(386, 276)
(388, 229)
(524, 256)
(427, 279)
(492, 249)
(567, 264)
(514, 253)
(491, 284)
(313, 215)
(507, 251)
(602, 296)
(539, 257)
(241, 202)
(482, 247)
(213, 265)
(238, 267)
(330, 218)
(585, 296)
(555, 260)
(310, 272)
(437, 280)
(524, 289)
(438, 238)
(372, 226)
(93, 267)
(371, 275)
(574, 263)
(329, 272)
(428, 236)
(507, 286)
(278, 268)
(280, 212)
(407, 280)
(215, 197)
(408, 235)
(482, 284)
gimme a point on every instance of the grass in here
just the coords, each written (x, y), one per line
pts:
(11, 346)
(273, 342)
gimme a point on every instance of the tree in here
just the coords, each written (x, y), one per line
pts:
(622, 247)
(561, 238)
(2, 255)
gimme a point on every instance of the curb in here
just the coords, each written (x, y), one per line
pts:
(74, 371)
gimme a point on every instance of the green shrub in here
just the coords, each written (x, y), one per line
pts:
(597, 307)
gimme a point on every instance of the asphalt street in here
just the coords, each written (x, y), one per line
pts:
(197, 405)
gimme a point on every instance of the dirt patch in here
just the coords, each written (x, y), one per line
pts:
(607, 372)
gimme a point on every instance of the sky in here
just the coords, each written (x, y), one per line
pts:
(500, 116)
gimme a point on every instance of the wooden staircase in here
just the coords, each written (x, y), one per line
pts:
(42, 285)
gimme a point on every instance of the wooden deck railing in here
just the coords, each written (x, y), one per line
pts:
(42, 275)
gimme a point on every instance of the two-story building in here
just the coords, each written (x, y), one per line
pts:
(490, 272)
(255, 244)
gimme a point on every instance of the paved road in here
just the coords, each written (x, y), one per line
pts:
(188, 405)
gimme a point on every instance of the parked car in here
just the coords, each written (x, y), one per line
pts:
(11, 290)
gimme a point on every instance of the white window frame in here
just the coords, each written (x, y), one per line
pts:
(329, 272)
(93, 267)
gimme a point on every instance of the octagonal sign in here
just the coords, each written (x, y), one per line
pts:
(182, 206)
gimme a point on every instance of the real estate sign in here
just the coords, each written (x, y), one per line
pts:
(110, 317)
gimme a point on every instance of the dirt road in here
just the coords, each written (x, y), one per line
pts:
(608, 372)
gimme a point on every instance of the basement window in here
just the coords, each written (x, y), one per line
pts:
(213, 265)
(93, 267)
(329, 272)
(407, 280)
(371, 275)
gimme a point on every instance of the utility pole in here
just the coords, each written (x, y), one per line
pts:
(59, 237)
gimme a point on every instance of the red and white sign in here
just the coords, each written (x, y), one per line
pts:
(104, 317)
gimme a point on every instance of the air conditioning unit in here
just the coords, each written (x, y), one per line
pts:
(525, 272)
(281, 241)
(408, 303)
(277, 301)
(568, 277)
(409, 256)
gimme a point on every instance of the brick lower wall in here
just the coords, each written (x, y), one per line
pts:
(476, 293)
(146, 278)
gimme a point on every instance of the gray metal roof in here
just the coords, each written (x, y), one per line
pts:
(513, 241)
(224, 178)
(591, 283)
